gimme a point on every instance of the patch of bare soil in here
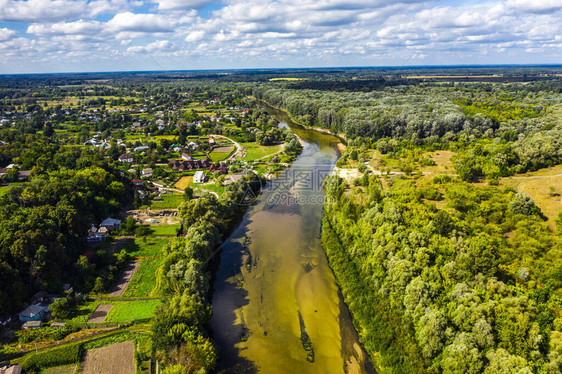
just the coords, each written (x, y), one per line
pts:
(100, 313)
(125, 278)
(114, 359)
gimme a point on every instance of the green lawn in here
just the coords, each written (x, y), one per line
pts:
(168, 202)
(219, 156)
(123, 311)
(139, 247)
(165, 230)
(81, 314)
(256, 151)
(144, 280)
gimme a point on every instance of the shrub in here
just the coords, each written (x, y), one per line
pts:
(69, 354)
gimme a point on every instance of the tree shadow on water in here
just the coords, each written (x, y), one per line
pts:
(228, 297)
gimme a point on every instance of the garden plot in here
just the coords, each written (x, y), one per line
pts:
(100, 313)
(114, 359)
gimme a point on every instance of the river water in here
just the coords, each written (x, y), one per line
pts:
(276, 304)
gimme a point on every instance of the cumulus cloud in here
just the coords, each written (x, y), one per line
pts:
(6, 34)
(166, 5)
(287, 32)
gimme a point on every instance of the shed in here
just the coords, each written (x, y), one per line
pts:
(32, 325)
(34, 312)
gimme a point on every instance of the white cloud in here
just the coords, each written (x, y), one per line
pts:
(537, 6)
(166, 5)
(195, 36)
(6, 34)
(157, 46)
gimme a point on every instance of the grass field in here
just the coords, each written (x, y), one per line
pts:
(124, 311)
(144, 280)
(165, 230)
(138, 247)
(168, 202)
(219, 190)
(220, 156)
(183, 182)
(443, 164)
(537, 185)
(256, 151)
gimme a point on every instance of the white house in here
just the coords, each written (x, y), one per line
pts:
(127, 158)
(199, 177)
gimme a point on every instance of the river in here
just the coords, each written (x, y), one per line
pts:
(276, 304)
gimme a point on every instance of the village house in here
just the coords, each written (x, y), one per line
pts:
(110, 224)
(182, 165)
(137, 182)
(147, 173)
(34, 312)
(127, 158)
(199, 177)
(141, 148)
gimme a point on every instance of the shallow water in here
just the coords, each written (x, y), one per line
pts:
(276, 305)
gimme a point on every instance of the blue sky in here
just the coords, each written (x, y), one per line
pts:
(117, 35)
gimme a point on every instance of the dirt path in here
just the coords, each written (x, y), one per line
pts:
(100, 313)
(114, 359)
(124, 279)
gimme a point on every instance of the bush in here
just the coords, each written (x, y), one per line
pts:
(69, 354)
(26, 336)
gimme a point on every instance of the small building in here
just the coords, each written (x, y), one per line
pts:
(34, 312)
(141, 148)
(127, 158)
(32, 325)
(147, 173)
(137, 182)
(192, 145)
(186, 157)
(110, 224)
(58, 324)
(199, 177)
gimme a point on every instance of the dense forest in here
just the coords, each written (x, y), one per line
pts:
(43, 223)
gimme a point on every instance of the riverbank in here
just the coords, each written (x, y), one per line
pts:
(276, 303)
(294, 122)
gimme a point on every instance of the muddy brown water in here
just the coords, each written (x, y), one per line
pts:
(276, 304)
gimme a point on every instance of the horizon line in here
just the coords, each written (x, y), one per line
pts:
(374, 67)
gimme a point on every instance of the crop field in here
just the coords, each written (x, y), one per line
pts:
(116, 359)
(126, 311)
(183, 182)
(144, 280)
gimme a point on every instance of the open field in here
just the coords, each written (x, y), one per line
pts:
(538, 185)
(168, 202)
(126, 311)
(165, 230)
(145, 247)
(100, 313)
(183, 182)
(114, 359)
(144, 280)
(256, 151)
(443, 162)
